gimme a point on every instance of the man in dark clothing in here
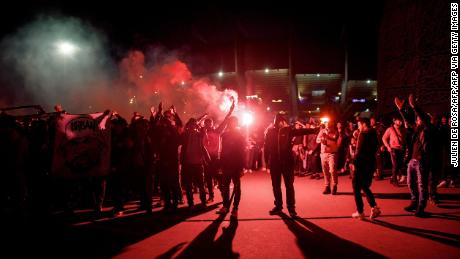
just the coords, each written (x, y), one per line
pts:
(365, 163)
(380, 130)
(193, 156)
(419, 151)
(212, 142)
(278, 146)
(141, 161)
(119, 162)
(168, 126)
(233, 160)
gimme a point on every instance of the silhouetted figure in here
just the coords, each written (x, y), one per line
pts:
(193, 157)
(169, 126)
(278, 153)
(419, 151)
(365, 163)
(212, 142)
(233, 160)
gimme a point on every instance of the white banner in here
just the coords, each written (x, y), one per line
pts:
(82, 145)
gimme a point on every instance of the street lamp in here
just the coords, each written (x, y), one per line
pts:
(66, 48)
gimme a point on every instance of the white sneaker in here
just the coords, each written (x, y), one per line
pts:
(358, 215)
(222, 211)
(442, 184)
(375, 212)
(403, 179)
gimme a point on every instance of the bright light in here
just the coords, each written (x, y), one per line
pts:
(340, 93)
(277, 101)
(324, 120)
(221, 74)
(182, 83)
(66, 48)
(267, 70)
(268, 108)
(317, 108)
(131, 100)
(368, 81)
(367, 110)
(317, 75)
(141, 76)
(247, 119)
(360, 100)
(375, 99)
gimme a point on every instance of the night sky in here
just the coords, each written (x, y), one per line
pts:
(203, 35)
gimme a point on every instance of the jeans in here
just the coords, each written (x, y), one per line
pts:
(288, 175)
(397, 162)
(362, 180)
(417, 180)
(227, 177)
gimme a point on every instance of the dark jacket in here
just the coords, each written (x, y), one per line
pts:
(232, 156)
(278, 145)
(193, 150)
(366, 148)
(419, 139)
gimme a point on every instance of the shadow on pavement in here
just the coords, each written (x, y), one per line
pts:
(101, 239)
(444, 197)
(316, 242)
(204, 245)
(441, 237)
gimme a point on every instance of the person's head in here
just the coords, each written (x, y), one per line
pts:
(137, 116)
(444, 120)
(373, 122)
(141, 127)
(232, 123)
(397, 121)
(169, 118)
(330, 124)
(364, 124)
(191, 124)
(58, 108)
(298, 125)
(351, 126)
(280, 120)
(208, 123)
(339, 126)
(118, 125)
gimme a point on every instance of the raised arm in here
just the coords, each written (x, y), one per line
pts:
(303, 131)
(201, 118)
(178, 120)
(223, 124)
(418, 112)
(399, 104)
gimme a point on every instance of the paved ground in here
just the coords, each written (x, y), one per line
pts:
(324, 229)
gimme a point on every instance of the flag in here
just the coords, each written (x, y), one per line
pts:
(82, 145)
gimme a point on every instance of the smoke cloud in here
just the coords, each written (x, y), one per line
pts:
(65, 60)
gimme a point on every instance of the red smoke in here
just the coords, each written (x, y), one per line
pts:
(172, 83)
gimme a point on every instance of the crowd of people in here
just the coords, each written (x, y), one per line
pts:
(161, 155)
